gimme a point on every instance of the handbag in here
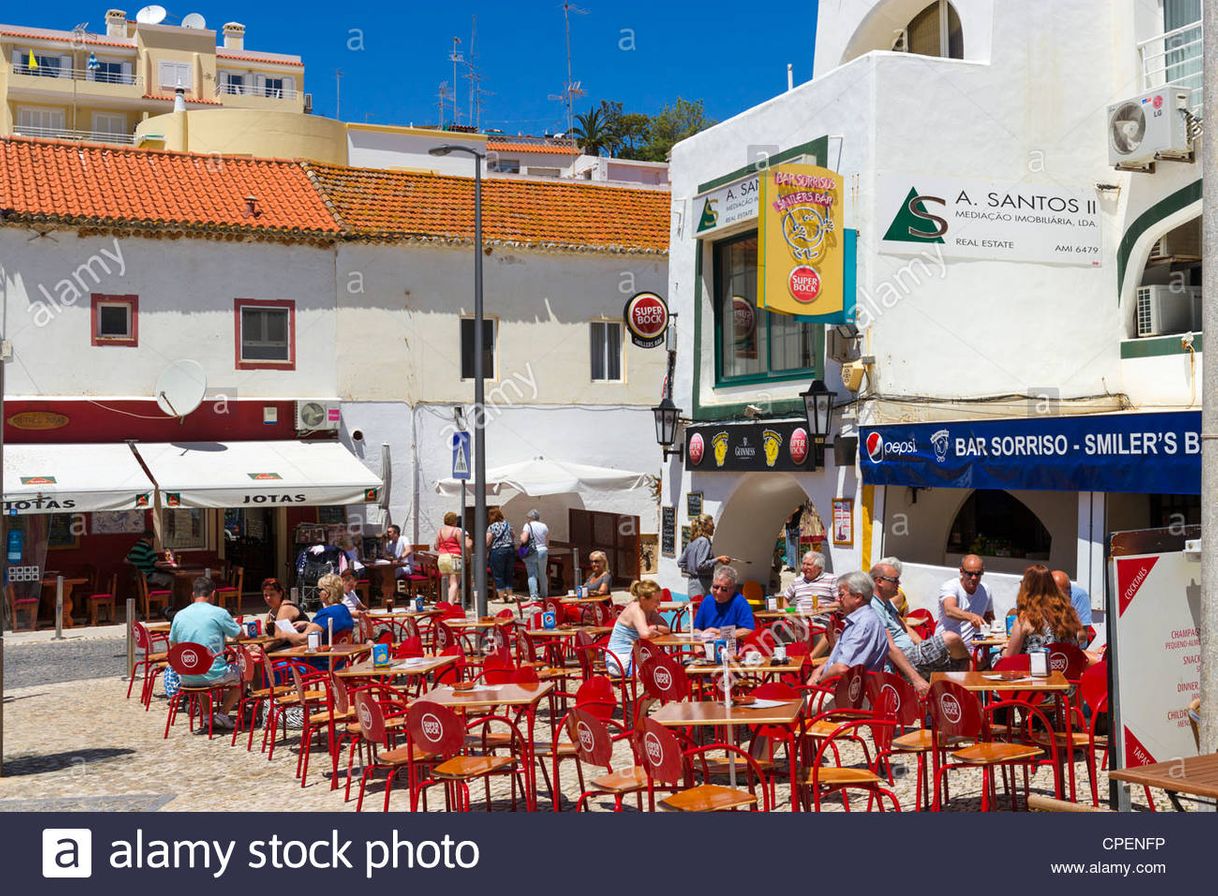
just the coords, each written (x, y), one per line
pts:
(525, 550)
(449, 564)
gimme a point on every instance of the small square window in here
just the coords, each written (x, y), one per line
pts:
(265, 334)
(606, 352)
(115, 320)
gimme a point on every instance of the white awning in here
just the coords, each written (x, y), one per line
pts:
(73, 479)
(258, 474)
(542, 476)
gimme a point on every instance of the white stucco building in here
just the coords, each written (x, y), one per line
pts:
(1024, 310)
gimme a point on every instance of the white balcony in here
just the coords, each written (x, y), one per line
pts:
(286, 92)
(1174, 57)
(93, 76)
(68, 134)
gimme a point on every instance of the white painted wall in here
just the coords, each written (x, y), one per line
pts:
(186, 290)
(409, 148)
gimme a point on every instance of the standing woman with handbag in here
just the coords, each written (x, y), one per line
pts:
(448, 548)
(535, 551)
(502, 545)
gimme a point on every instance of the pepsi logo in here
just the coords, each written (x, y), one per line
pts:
(431, 728)
(798, 445)
(663, 679)
(879, 450)
(655, 749)
(586, 738)
(875, 447)
(697, 449)
(951, 709)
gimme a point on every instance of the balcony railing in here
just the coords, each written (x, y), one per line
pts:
(1174, 57)
(286, 92)
(94, 76)
(68, 134)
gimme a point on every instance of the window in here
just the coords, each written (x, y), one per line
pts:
(108, 72)
(110, 123)
(544, 172)
(936, 31)
(115, 320)
(507, 166)
(1174, 511)
(185, 529)
(266, 334)
(34, 121)
(997, 524)
(606, 351)
(232, 83)
(44, 66)
(467, 349)
(278, 88)
(753, 344)
(176, 73)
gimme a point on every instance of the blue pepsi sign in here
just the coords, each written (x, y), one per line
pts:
(1147, 453)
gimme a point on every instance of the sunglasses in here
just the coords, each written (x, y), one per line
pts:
(971, 574)
(893, 579)
(721, 587)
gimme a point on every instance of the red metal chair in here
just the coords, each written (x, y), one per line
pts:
(155, 648)
(439, 731)
(668, 764)
(822, 779)
(892, 697)
(956, 712)
(231, 589)
(372, 706)
(595, 696)
(922, 622)
(254, 699)
(1093, 691)
(317, 714)
(592, 741)
(103, 600)
(189, 658)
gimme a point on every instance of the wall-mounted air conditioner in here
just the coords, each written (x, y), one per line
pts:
(312, 416)
(1167, 309)
(1149, 127)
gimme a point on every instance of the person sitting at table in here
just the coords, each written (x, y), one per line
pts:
(864, 640)
(202, 622)
(813, 583)
(280, 606)
(350, 596)
(346, 544)
(157, 570)
(398, 552)
(600, 580)
(330, 590)
(640, 619)
(728, 607)
(1045, 615)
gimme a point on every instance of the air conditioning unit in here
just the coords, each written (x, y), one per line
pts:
(1168, 309)
(308, 104)
(312, 416)
(1149, 127)
(1183, 242)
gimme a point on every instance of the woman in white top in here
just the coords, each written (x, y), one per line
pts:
(537, 534)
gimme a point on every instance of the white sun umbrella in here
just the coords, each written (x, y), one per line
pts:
(542, 476)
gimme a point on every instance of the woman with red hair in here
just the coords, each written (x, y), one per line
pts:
(1045, 615)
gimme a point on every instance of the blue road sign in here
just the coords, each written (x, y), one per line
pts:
(460, 446)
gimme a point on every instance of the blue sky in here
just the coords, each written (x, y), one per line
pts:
(721, 52)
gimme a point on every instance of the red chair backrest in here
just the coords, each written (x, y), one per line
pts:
(590, 735)
(386, 636)
(371, 719)
(408, 648)
(851, 689)
(1068, 659)
(664, 679)
(891, 696)
(666, 595)
(644, 649)
(1094, 687)
(143, 640)
(1020, 662)
(661, 752)
(444, 636)
(527, 675)
(954, 711)
(245, 663)
(922, 622)
(505, 614)
(188, 658)
(453, 611)
(596, 695)
(435, 728)
(341, 701)
(343, 637)
(498, 666)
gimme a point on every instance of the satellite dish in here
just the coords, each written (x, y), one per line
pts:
(180, 388)
(1127, 128)
(194, 20)
(151, 15)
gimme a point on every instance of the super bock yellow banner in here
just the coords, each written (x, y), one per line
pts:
(800, 266)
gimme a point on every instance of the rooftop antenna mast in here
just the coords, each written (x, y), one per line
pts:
(476, 93)
(443, 95)
(338, 94)
(457, 59)
(573, 88)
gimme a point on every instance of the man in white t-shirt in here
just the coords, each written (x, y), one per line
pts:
(965, 606)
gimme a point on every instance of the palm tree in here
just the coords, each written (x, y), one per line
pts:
(591, 132)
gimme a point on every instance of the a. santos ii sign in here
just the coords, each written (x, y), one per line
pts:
(981, 219)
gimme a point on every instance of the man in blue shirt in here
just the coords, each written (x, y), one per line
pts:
(864, 640)
(204, 623)
(725, 606)
(1079, 598)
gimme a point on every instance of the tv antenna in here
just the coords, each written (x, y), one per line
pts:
(456, 59)
(443, 95)
(180, 388)
(573, 88)
(476, 93)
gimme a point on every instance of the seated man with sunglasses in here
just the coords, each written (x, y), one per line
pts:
(727, 606)
(965, 605)
(913, 656)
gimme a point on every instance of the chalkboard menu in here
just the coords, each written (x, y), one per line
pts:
(693, 504)
(668, 531)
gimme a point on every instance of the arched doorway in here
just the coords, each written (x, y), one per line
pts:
(749, 525)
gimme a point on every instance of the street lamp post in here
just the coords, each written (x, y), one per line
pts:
(479, 386)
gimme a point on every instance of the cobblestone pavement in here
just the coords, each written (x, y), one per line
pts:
(80, 745)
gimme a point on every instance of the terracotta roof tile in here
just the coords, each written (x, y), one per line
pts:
(49, 34)
(96, 185)
(250, 56)
(169, 98)
(558, 149)
(391, 205)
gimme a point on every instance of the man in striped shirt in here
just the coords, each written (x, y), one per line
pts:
(144, 558)
(813, 583)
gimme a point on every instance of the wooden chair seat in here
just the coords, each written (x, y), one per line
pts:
(722, 766)
(994, 753)
(460, 767)
(490, 740)
(624, 781)
(821, 727)
(324, 718)
(833, 776)
(293, 699)
(278, 690)
(1079, 739)
(402, 755)
(161, 657)
(708, 798)
(395, 724)
(922, 741)
(565, 750)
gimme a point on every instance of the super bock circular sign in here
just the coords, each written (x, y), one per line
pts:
(647, 319)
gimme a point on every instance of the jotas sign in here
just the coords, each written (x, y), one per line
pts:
(1147, 453)
(800, 261)
(980, 219)
(751, 446)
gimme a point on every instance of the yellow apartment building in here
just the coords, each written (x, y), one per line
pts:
(99, 87)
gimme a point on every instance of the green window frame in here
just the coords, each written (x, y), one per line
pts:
(771, 333)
